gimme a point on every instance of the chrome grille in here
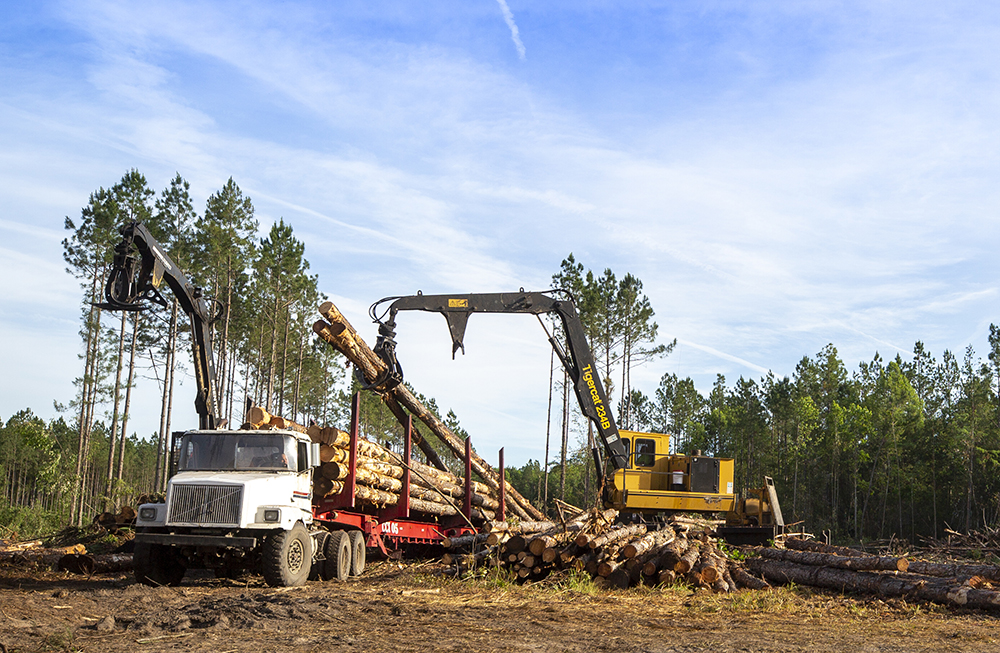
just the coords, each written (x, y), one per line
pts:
(206, 504)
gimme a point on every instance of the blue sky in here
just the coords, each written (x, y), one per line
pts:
(779, 175)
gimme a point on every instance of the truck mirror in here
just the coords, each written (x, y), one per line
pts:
(313, 454)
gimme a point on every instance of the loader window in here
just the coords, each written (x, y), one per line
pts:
(645, 452)
(628, 452)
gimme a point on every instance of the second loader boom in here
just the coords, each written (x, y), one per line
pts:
(646, 480)
(578, 361)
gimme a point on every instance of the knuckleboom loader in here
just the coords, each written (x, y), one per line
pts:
(237, 499)
(646, 480)
(242, 499)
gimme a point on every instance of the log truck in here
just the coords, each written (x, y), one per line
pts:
(647, 481)
(242, 499)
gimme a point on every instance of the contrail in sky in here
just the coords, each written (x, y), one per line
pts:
(509, 17)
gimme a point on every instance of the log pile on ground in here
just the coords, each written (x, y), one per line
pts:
(379, 473)
(810, 563)
(613, 555)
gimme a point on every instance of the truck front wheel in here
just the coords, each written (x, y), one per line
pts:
(157, 564)
(287, 557)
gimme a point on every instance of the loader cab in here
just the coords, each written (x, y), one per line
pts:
(654, 480)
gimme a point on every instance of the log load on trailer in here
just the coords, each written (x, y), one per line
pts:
(243, 499)
(647, 481)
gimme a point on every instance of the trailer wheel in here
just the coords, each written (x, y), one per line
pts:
(338, 556)
(316, 572)
(287, 557)
(358, 552)
(157, 564)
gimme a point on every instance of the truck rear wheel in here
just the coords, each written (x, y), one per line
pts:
(338, 556)
(157, 564)
(358, 552)
(287, 557)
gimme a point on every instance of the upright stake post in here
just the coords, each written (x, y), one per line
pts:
(502, 513)
(467, 504)
(350, 483)
(404, 494)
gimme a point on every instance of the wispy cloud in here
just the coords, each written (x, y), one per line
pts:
(514, 34)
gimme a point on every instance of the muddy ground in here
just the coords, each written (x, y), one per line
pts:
(397, 607)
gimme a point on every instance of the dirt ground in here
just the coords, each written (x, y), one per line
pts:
(396, 607)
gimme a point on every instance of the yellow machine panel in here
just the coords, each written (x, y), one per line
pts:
(656, 481)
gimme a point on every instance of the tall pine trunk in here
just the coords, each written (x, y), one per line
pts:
(113, 437)
(128, 399)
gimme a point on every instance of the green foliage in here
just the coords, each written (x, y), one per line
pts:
(26, 523)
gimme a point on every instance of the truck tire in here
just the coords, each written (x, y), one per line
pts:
(157, 564)
(338, 556)
(319, 560)
(287, 557)
(358, 552)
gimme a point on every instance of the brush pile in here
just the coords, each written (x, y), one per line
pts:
(972, 544)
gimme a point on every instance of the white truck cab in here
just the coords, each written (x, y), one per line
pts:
(238, 500)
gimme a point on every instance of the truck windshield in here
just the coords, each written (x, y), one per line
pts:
(236, 451)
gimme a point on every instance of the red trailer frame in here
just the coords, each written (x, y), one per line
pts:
(391, 527)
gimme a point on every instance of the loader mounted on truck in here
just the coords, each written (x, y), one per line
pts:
(242, 500)
(646, 480)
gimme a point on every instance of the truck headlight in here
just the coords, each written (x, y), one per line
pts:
(272, 515)
(147, 514)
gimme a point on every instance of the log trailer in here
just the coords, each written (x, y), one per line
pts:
(647, 481)
(241, 499)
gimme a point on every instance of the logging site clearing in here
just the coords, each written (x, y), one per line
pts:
(397, 606)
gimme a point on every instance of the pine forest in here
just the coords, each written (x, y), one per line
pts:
(890, 448)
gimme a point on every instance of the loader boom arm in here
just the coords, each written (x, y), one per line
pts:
(139, 266)
(579, 362)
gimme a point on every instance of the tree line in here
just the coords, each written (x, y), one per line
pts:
(893, 448)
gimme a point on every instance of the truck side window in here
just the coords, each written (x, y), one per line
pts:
(645, 452)
(303, 456)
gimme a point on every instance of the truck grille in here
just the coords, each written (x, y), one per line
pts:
(206, 504)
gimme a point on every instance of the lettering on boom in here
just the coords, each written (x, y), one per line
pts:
(602, 413)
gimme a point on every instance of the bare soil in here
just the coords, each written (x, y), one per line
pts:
(398, 607)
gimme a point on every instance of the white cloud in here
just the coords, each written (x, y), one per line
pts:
(514, 34)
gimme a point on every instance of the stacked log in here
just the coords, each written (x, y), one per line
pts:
(378, 473)
(342, 336)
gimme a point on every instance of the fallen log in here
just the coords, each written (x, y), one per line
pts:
(745, 580)
(647, 542)
(688, 558)
(855, 563)
(989, 572)
(868, 582)
(818, 547)
(616, 535)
